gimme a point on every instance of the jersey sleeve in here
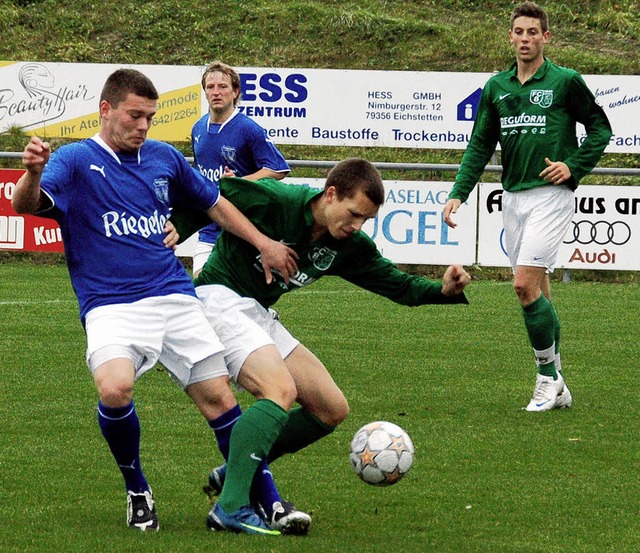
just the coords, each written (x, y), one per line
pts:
(584, 108)
(194, 191)
(58, 183)
(265, 153)
(482, 144)
(368, 269)
(188, 221)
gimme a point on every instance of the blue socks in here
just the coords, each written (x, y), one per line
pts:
(120, 427)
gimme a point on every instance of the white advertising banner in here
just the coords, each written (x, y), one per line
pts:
(323, 107)
(62, 99)
(604, 234)
(409, 227)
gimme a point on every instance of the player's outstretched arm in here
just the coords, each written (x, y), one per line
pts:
(455, 280)
(27, 196)
(450, 208)
(275, 256)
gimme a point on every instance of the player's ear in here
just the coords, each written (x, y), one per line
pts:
(104, 108)
(330, 194)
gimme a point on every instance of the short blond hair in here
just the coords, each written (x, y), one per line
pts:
(220, 67)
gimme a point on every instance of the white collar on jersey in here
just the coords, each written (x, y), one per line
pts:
(98, 140)
(233, 114)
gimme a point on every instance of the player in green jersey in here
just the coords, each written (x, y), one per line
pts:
(531, 109)
(324, 228)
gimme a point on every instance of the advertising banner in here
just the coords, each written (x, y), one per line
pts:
(24, 232)
(322, 107)
(604, 234)
(61, 100)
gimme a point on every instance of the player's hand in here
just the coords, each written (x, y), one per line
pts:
(450, 208)
(36, 155)
(172, 236)
(278, 257)
(556, 172)
(455, 280)
(228, 172)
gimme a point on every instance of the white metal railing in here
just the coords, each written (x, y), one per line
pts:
(382, 165)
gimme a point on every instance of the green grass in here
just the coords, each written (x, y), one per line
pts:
(487, 476)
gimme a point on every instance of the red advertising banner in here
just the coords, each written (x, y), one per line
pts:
(24, 232)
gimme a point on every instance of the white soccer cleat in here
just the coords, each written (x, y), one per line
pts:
(565, 400)
(289, 520)
(546, 393)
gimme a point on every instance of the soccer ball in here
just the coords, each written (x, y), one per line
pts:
(381, 453)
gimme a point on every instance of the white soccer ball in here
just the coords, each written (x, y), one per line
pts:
(381, 453)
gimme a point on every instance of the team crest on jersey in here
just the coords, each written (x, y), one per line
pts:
(322, 257)
(161, 188)
(228, 153)
(542, 98)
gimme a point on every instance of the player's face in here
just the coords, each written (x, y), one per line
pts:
(125, 127)
(345, 216)
(527, 39)
(219, 93)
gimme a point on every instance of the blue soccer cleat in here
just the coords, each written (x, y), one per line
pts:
(244, 520)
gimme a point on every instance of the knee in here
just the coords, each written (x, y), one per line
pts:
(332, 412)
(284, 393)
(213, 397)
(115, 393)
(525, 292)
(339, 412)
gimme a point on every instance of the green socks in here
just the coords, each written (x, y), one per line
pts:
(251, 440)
(543, 326)
(301, 429)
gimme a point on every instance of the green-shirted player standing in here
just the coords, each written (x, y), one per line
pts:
(324, 228)
(531, 110)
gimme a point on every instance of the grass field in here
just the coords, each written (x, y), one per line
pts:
(488, 477)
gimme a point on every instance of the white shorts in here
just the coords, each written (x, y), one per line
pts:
(535, 223)
(243, 325)
(200, 255)
(170, 329)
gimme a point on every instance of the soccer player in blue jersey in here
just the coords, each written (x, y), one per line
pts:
(226, 143)
(532, 109)
(111, 196)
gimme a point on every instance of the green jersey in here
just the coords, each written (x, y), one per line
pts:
(533, 121)
(283, 212)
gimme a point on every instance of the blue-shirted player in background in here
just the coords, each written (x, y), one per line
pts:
(228, 143)
(111, 196)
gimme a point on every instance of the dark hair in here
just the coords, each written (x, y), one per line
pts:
(351, 175)
(124, 81)
(531, 9)
(220, 67)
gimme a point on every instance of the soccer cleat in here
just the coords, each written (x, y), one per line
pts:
(288, 520)
(546, 393)
(565, 400)
(216, 481)
(141, 511)
(244, 520)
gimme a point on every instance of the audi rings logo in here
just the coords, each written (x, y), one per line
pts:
(586, 232)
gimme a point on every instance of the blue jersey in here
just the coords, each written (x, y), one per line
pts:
(112, 209)
(240, 144)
